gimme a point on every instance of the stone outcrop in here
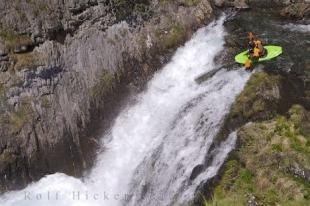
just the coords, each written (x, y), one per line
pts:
(297, 10)
(65, 64)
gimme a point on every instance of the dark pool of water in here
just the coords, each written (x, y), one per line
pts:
(269, 26)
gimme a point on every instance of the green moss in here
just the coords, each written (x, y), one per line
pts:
(111, 41)
(250, 102)
(175, 35)
(276, 147)
(230, 171)
(227, 201)
(245, 176)
(296, 203)
(20, 116)
(271, 197)
(6, 158)
(12, 39)
(125, 9)
(105, 85)
(45, 102)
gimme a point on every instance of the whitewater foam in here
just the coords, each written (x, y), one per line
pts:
(305, 28)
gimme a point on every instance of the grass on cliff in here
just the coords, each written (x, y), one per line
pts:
(259, 167)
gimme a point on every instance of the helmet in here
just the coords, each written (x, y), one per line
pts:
(250, 36)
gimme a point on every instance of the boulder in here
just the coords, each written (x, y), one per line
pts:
(296, 10)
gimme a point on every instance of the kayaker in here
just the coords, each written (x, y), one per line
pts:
(256, 50)
(259, 45)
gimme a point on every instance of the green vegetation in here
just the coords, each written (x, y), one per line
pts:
(175, 34)
(259, 167)
(6, 158)
(22, 114)
(124, 9)
(105, 85)
(12, 39)
(45, 102)
(251, 100)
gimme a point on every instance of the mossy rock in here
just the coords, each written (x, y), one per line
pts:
(45, 102)
(6, 158)
(21, 116)
(260, 165)
(105, 85)
(124, 9)
(172, 37)
(259, 99)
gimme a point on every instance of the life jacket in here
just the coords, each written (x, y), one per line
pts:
(247, 63)
(257, 43)
(256, 52)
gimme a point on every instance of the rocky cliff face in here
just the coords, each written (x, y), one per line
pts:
(64, 63)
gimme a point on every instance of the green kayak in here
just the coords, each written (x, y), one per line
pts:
(272, 52)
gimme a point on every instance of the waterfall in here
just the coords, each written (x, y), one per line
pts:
(149, 153)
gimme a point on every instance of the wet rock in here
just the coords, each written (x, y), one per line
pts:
(299, 171)
(196, 171)
(251, 201)
(296, 10)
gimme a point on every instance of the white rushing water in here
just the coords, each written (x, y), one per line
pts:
(305, 28)
(150, 152)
